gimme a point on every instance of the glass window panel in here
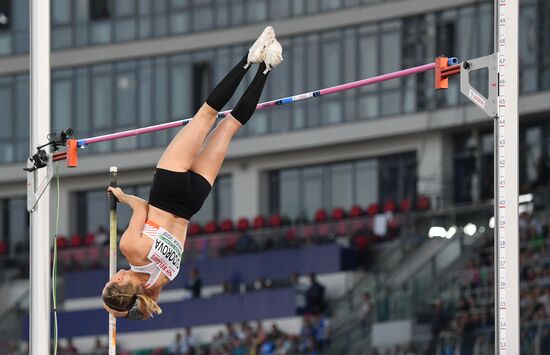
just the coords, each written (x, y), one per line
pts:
(22, 108)
(341, 185)
(391, 102)
(485, 35)
(331, 111)
(330, 4)
(181, 90)
(101, 32)
(125, 7)
(469, 33)
(5, 43)
(160, 25)
(366, 182)
(222, 15)
(6, 113)
(298, 7)
(179, 22)
(533, 145)
(257, 10)
(62, 104)
(6, 152)
(96, 210)
(125, 30)
(61, 37)
(391, 55)
(203, 18)
(369, 106)
(206, 213)
(17, 221)
(237, 12)
(102, 101)
(81, 10)
(368, 52)
(312, 190)
(126, 99)
(160, 94)
(61, 11)
(82, 101)
(224, 198)
(20, 15)
(279, 8)
(289, 193)
(331, 57)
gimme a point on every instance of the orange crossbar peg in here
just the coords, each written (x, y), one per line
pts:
(72, 153)
(441, 81)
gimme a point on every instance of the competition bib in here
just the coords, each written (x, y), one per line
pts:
(166, 253)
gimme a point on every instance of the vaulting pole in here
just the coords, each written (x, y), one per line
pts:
(39, 328)
(112, 254)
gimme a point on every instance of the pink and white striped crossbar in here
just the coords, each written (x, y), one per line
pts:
(327, 91)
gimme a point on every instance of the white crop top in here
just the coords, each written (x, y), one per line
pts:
(165, 254)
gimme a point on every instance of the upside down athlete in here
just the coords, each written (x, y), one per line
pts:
(153, 242)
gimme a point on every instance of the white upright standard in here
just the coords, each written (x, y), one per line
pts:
(40, 216)
(506, 181)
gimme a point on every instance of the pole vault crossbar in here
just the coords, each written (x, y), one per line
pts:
(282, 101)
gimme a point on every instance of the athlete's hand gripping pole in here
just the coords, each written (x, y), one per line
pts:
(112, 253)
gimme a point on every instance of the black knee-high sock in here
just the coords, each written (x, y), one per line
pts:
(227, 86)
(247, 104)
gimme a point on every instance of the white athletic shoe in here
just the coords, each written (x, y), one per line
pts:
(273, 55)
(256, 52)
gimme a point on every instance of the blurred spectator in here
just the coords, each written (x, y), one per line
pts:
(99, 347)
(101, 236)
(366, 314)
(300, 291)
(70, 348)
(194, 284)
(185, 346)
(322, 332)
(315, 295)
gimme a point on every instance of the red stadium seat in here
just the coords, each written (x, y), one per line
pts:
(323, 231)
(259, 222)
(231, 241)
(356, 211)
(290, 234)
(373, 209)
(89, 239)
(308, 232)
(275, 220)
(393, 227)
(226, 226)
(3, 248)
(390, 206)
(243, 224)
(194, 229)
(61, 241)
(423, 203)
(405, 205)
(361, 242)
(211, 227)
(76, 240)
(321, 215)
(338, 214)
(341, 228)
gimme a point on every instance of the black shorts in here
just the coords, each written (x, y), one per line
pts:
(180, 193)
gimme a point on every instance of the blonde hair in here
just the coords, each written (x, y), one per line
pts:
(123, 298)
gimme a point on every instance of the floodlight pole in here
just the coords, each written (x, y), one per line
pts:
(506, 180)
(39, 324)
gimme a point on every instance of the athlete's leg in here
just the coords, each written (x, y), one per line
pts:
(210, 158)
(181, 152)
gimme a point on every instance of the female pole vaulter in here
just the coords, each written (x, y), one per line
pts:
(153, 242)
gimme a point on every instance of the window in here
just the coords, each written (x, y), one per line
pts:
(219, 204)
(5, 15)
(299, 192)
(201, 83)
(14, 223)
(100, 9)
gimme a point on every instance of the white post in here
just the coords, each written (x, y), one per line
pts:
(40, 217)
(506, 181)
